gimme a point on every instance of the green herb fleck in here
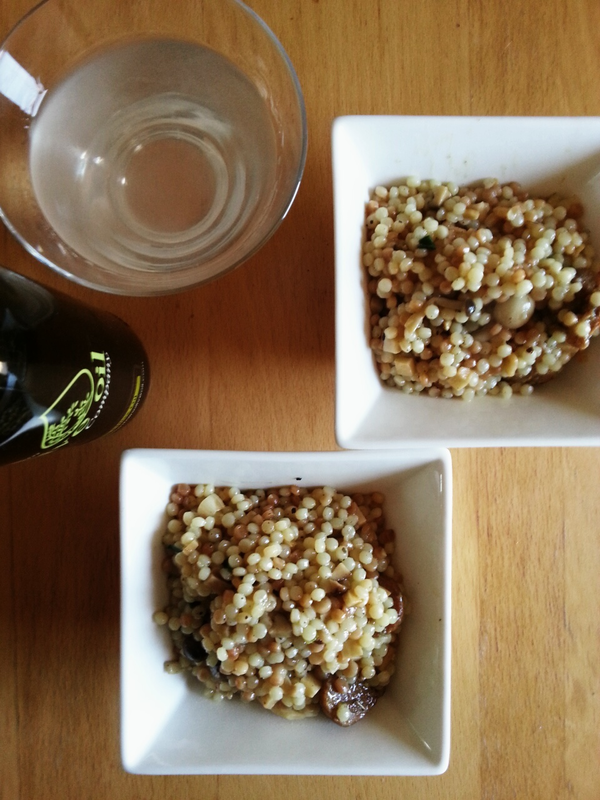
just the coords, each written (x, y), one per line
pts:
(426, 243)
(172, 548)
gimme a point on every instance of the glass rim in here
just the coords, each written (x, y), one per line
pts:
(182, 285)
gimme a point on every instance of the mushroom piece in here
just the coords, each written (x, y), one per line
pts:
(215, 585)
(346, 703)
(193, 650)
(353, 509)
(465, 304)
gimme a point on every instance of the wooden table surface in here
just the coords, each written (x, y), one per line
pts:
(248, 363)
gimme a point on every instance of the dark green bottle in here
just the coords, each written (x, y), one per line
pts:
(68, 373)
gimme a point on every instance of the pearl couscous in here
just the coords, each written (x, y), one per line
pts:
(478, 289)
(286, 596)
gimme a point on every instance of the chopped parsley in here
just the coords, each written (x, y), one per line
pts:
(426, 243)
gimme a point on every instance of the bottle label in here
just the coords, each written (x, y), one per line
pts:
(83, 398)
(136, 398)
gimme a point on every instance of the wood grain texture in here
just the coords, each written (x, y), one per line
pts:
(248, 363)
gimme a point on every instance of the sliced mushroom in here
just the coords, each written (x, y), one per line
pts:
(193, 650)
(464, 304)
(215, 585)
(440, 195)
(340, 572)
(405, 367)
(336, 587)
(346, 703)
(484, 334)
(313, 681)
(281, 626)
(210, 505)
(590, 283)
(533, 379)
(355, 510)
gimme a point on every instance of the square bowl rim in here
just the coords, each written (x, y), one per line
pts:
(405, 461)
(352, 427)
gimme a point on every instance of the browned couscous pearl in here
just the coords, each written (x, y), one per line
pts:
(239, 532)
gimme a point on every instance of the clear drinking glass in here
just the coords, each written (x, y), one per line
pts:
(146, 147)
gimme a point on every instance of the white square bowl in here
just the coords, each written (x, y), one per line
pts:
(543, 154)
(169, 727)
